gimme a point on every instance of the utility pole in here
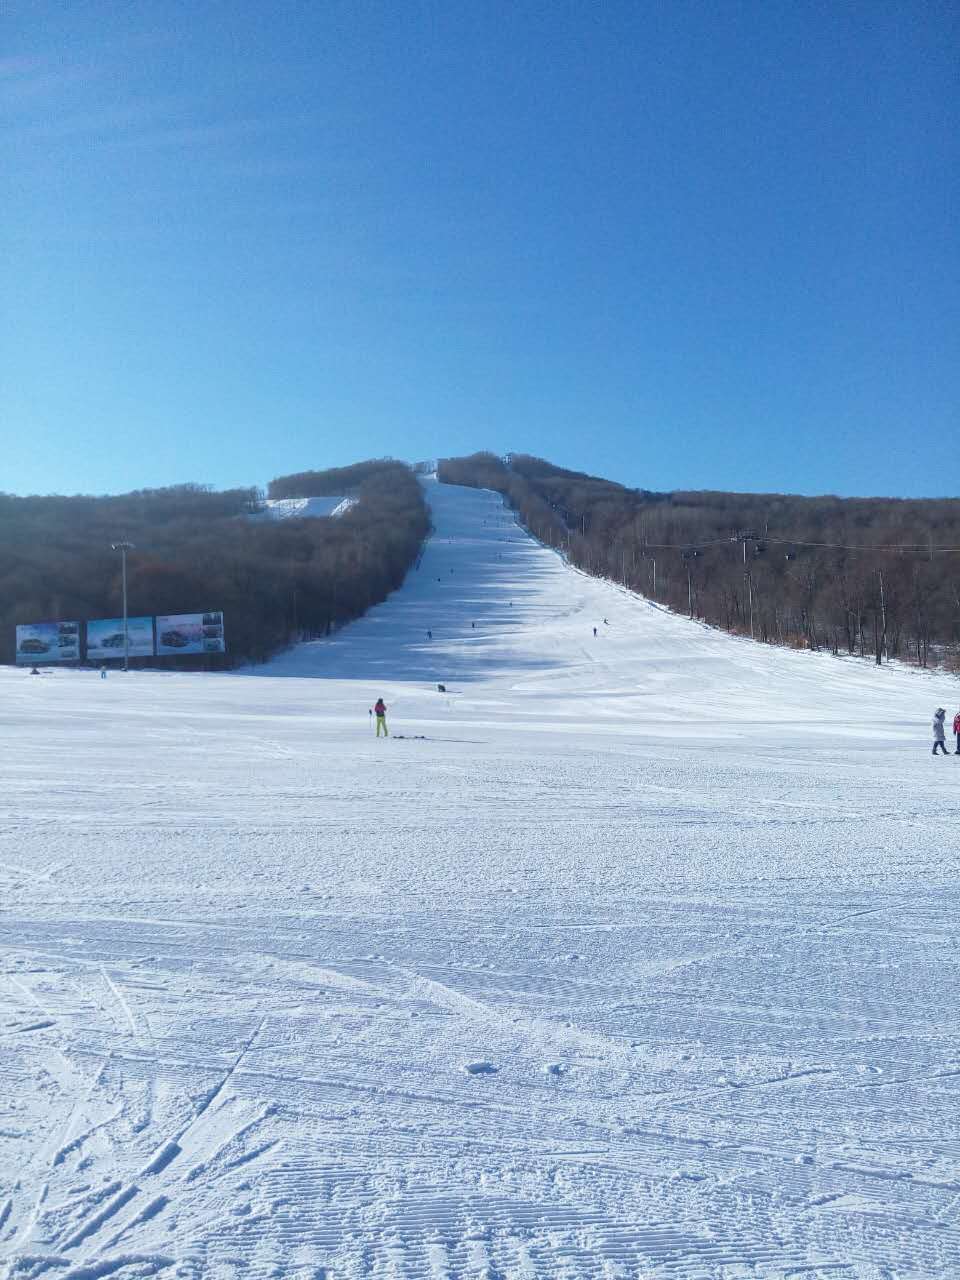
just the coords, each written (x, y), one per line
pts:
(687, 556)
(745, 536)
(883, 615)
(123, 548)
(750, 594)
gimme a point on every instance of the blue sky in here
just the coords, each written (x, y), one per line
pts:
(683, 244)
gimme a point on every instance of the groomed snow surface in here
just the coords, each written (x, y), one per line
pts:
(629, 956)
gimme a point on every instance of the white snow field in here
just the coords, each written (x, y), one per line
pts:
(304, 508)
(629, 956)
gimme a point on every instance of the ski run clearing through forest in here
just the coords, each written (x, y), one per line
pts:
(303, 508)
(631, 955)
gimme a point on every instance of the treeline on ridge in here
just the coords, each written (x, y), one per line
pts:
(332, 481)
(749, 562)
(197, 549)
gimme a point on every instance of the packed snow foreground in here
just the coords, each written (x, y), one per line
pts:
(627, 956)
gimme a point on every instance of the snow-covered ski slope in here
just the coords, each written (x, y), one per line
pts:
(304, 508)
(634, 956)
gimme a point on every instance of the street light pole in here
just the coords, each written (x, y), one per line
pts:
(123, 548)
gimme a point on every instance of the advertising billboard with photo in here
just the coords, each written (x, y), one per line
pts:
(190, 633)
(48, 642)
(105, 638)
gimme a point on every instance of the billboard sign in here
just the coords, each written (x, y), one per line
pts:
(190, 633)
(105, 638)
(48, 642)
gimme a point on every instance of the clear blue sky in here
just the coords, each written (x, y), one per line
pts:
(682, 243)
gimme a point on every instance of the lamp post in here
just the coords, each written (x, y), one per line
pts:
(123, 548)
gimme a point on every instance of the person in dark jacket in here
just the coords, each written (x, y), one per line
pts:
(938, 731)
(380, 711)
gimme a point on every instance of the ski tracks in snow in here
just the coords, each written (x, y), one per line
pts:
(104, 1188)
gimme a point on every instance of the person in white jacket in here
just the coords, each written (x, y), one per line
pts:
(938, 731)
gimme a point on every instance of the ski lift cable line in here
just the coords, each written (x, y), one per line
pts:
(687, 546)
(925, 547)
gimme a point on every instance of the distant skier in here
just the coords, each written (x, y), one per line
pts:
(380, 711)
(956, 730)
(594, 633)
(103, 671)
(938, 731)
(429, 635)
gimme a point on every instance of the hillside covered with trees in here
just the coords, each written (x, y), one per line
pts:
(197, 549)
(867, 576)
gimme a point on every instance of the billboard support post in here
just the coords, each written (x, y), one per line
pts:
(123, 548)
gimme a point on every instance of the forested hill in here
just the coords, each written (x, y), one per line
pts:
(334, 480)
(855, 575)
(196, 550)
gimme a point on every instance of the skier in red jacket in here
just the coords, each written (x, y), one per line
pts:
(956, 730)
